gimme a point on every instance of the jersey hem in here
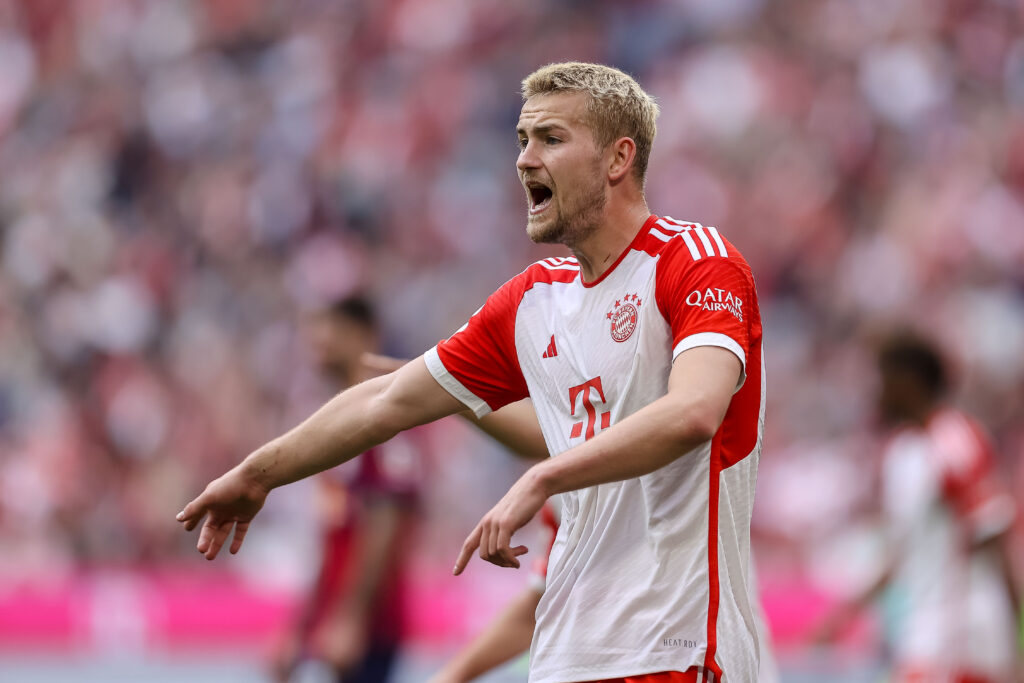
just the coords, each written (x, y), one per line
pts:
(452, 385)
(718, 339)
(581, 674)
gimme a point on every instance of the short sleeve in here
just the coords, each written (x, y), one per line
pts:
(709, 302)
(970, 481)
(478, 364)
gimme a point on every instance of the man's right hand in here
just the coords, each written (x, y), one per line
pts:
(228, 503)
(352, 422)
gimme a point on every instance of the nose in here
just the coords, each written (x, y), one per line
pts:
(527, 157)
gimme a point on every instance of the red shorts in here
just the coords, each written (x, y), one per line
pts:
(691, 676)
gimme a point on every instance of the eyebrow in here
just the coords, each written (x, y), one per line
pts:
(542, 129)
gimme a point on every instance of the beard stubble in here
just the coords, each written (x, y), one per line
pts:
(577, 221)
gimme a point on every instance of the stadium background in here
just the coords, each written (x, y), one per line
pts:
(180, 179)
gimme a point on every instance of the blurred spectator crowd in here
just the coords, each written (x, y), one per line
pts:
(180, 179)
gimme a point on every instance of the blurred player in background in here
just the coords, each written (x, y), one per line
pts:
(642, 354)
(948, 520)
(351, 619)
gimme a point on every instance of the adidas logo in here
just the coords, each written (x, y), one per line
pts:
(551, 351)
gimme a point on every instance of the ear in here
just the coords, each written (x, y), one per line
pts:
(621, 155)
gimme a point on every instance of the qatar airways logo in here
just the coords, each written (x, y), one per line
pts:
(715, 299)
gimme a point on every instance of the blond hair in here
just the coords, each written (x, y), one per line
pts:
(617, 107)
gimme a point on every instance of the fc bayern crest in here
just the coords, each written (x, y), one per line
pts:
(624, 316)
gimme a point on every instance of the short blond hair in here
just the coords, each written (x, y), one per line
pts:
(617, 107)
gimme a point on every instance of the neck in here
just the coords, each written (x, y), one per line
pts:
(924, 413)
(617, 228)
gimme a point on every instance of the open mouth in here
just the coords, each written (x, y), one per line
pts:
(539, 195)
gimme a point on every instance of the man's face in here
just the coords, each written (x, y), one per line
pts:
(898, 396)
(337, 343)
(560, 168)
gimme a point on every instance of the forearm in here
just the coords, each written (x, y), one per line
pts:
(867, 595)
(506, 637)
(341, 429)
(642, 443)
(351, 423)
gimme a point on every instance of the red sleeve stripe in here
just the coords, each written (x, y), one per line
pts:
(679, 232)
(704, 240)
(686, 230)
(713, 231)
(699, 229)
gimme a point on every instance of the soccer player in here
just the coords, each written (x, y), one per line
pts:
(642, 355)
(948, 520)
(510, 633)
(351, 619)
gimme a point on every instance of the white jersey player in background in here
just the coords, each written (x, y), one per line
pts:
(642, 354)
(948, 518)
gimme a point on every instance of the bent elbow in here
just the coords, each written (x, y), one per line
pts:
(702, 424)
(383, 414)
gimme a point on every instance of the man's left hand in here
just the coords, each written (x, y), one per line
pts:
(493, 535)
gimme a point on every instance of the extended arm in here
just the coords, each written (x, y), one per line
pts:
(514, 426)
(836, 621)
(700, 387)
(349, 424)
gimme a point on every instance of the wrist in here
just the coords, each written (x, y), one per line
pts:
(258, 469)
(542, 478)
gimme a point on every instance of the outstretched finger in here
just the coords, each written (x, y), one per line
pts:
(471, 544)
(212, 537)
(236, 543)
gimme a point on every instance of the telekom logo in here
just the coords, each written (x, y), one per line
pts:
(583, 390)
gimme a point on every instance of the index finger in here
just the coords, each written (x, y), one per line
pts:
(471, 544)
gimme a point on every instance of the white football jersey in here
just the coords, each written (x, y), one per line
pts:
(941, 496)
(648, 574)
